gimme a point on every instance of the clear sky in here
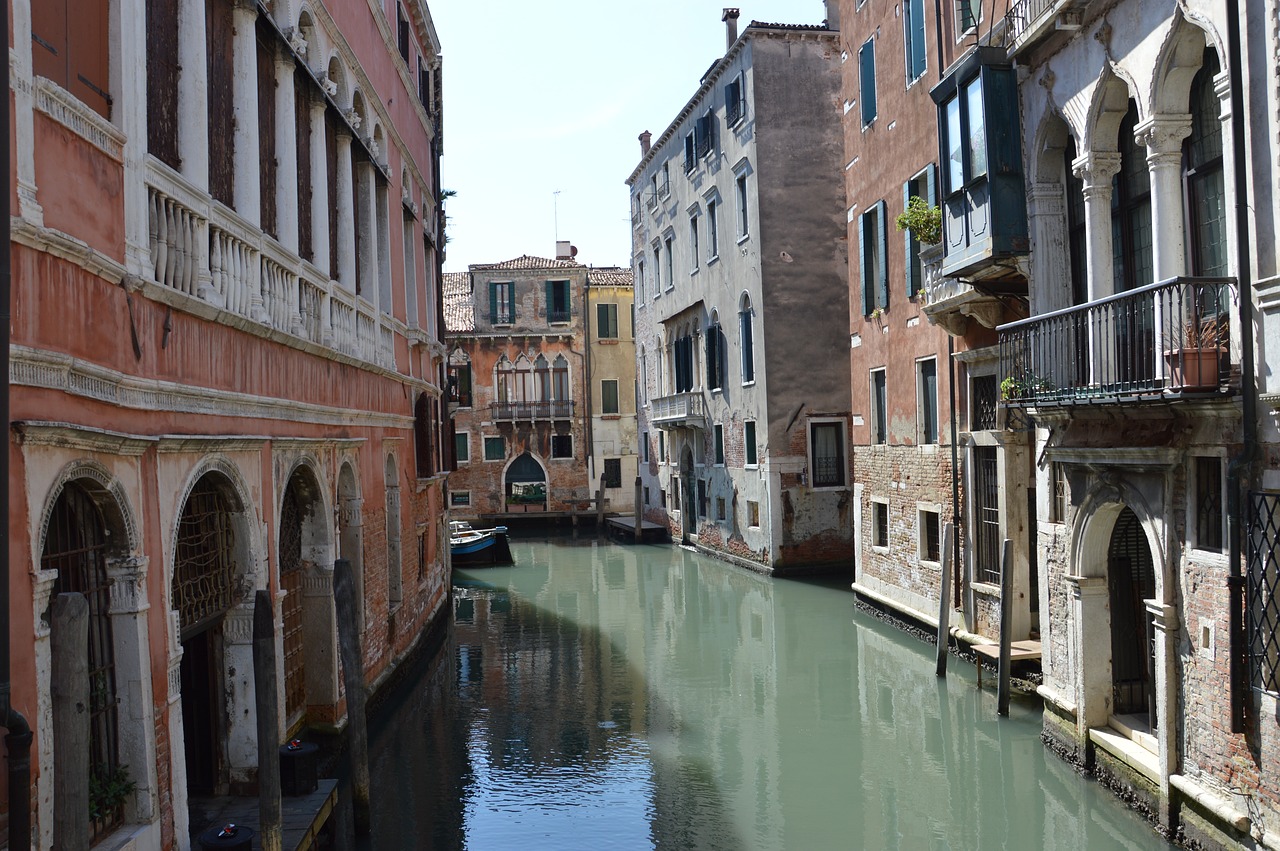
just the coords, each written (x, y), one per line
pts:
(547, 97)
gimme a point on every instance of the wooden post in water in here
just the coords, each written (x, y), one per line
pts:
(639, 512)
(1006, 628)
(268, 709)
(344, 593)
(69, 640)
(944, 602)
(600, 505)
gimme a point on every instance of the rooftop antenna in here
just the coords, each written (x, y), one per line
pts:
(556, 208)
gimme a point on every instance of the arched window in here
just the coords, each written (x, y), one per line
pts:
(1202, 170)
(715, 353)
(1131, 237)
(560, 379)
(503, 379)
(542, 379)
(747, 337)
(524, 379)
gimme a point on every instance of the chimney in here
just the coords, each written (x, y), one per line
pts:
(730, 18)
(565, 251)
(833, 14)
(645, 138)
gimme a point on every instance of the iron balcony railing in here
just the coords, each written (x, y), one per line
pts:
(559, 409)
(679, 410)
(556, 315)
(1167, 340)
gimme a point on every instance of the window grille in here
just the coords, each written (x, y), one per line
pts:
(1262, 611)
(290, 555)
(985, 393)
(1208, 495)
(204, 561)
(987, 513)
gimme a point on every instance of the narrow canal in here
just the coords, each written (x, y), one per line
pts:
(597, 696)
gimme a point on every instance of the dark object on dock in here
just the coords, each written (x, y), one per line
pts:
(227, 837)
(298, 774)
(624, 528)
(479, 546)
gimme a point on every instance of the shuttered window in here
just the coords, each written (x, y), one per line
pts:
(302, 120)
(867, 80)
(873, 259)
(267, 127)
(162, 81)
(219, 55)
(69, 46)
(920, 186)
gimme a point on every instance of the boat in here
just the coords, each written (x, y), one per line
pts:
(478, 546)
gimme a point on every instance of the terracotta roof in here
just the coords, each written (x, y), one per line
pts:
(526, 261)
(459, 308)
(803, 27)
(611, 276)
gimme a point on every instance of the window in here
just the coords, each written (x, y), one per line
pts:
(1210, 517)
(968, 15)
(612, 473)
(609, 396)
(704, 134)
(826, 443)
(662, 498)
(713, 230)
(879, 524)
(607, 321)
(715, 357)
(502, 302)
(460, 499)
(690, 156)
(873, 257)
(920, 186)
(557, 301)
(743, 222)
(693, 242)
(664, 187)
(879, 411)
(682, 361)
(749, 441)
(1057, 493)
(753, 513)
(644, 445)
(424, 429)
(745, 333)
(495, 448)
(1131, 240)
(561, 446)
(646, 495)
(913, 36)
(460, 384)
(462, 446)
(930, 536)
(927, 400)
(734, 102)
(671, 275)
(985, 500)
(402, 32)
(983, 393)
(719, 440)
(69, 45)
(640, 282)
(657, 269)
(867, 80)
(662, 446)
(1202, 161)
(560, 379)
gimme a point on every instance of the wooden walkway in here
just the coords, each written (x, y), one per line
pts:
(625, 529)
(302, 818)
(1019, 651)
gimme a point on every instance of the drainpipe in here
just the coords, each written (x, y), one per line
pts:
(586, 372)
(955, 474)
(1239, 472)
(18, 740)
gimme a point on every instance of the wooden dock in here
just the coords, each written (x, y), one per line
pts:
(1019, 651)
(624, 528)
(303, 819)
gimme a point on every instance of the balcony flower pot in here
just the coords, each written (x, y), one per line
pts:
(1193, 367)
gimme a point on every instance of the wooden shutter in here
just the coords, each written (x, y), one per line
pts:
(493, 303)
(302, 121)
(266, 128)
(219, 53)
(511, 302)
(49, 39)
(908, 241)
(162, 81)
(550, 299)
(883, 248)
(868, 298)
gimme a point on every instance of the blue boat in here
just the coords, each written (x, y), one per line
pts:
(478, 546)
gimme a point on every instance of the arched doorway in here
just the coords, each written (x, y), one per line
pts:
(204, 589)
(688, 498)
(1131, 582)
(526, 482)
(76, 545)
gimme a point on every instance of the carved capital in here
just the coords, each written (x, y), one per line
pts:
(128, 584)
(1095, 169)
(1163, 134)
(238, 626)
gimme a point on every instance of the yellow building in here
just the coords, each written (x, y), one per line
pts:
(611, 381)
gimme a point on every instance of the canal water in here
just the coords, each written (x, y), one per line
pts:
(597, 696)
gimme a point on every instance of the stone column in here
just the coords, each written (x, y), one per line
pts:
(1162, 135)
(1050, 289)
(345, 200)
(1167, 624)
(130, 115)
(238, 685)
(177, 756)
(1091, 648)
(24, 153)
(248, 179)
(320, 638)
(193, 93)
(366, 195)
(319, 187)
(1095, 170)
(286, 152)
(129, 607)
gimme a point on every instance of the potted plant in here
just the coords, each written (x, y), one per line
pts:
(1193, 366)
(924, 221)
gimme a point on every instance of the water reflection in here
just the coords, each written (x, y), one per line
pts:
(598, 696)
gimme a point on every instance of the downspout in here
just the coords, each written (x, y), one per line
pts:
(17, 741)
(586, 372)
(1239, 472)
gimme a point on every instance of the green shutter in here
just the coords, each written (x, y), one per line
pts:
(883, 248)
(907, 242)
(511, 301)
(493, 303)
(550, 296)
(867, 305)
(931, 184)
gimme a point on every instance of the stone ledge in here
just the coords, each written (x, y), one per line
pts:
(1128, 752)
(1217, 804)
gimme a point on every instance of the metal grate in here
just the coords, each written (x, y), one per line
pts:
(987, 514)
(1263, 584)
(1132, 583)
(75, 546)
(1209, 514)
(204, 563)
(290, 554)
(984, 390)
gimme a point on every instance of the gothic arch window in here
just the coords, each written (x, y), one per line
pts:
(1131, 234)
(503, 380)
(542, 379)
(746, 333)
(560, 379)
(1205, 191)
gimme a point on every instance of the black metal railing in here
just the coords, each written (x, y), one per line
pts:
(1170, 339)
(1262, 601)
(557, 314)
(559, 409)
(733, 111)
(1017, 21)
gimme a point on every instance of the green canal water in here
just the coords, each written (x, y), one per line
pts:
(597, 696)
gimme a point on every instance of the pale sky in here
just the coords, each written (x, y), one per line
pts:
(541, 97)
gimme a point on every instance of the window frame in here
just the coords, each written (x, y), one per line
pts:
(923, 511)
(502, 311)
(694, 242)
(718, 443)
(735, 93)
(1194, 520)
(561, 456)
(923, 438)
(913, 28)
(502, 441)
(459, 499)
(751, 455)
(607, 321)
(617, 402)
(742, 197)
(879, 406)
(611, 482)
(746, 340)
(462, 439)
(868, 109)
(555, 289)
(842, 456)
(873, 259)
(713, 229)
(879, 519)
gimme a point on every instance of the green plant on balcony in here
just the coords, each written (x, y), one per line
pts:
(1194, 364)
(923, 220)
(1024, 386)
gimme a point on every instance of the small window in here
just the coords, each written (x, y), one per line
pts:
(460, 499)
(607, 321)
(561, 446)
(746, 335)
(495, 448)
(693, 243)
(644, 446)
(609, 396)
(983, 391)
(613, 472)
(826, 444)
(749, 441)
(713, 230)
(927, 393)
(879, 405)
(753, 513)
(1210, 516)
(734, 103)
(867, 80)
(502, 302)
(558, 301)
(880, 524)
(930, 536)
(744, 224)
(719, 432)
(913, 36)
(462, 446)
(1057, 493)
(721, 513)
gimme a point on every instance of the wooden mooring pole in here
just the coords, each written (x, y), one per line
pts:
(600, 506)
(639, 512)
(1006, 628)
(268, 709)
(69, 646)
(344, 592)
(944, 602)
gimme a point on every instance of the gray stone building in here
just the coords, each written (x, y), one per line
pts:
(739, 258)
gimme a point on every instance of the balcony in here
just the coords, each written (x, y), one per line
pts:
(683, 410)
(558, 409)
(558, 315)
(1030, 21)
(951, 303)
(1166, 341)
